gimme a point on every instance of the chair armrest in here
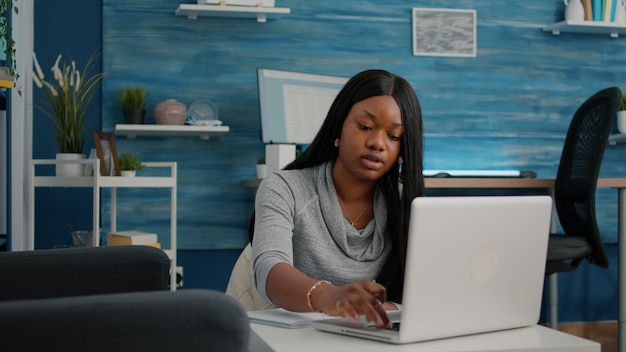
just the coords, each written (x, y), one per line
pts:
(186, 320)
(82, 271)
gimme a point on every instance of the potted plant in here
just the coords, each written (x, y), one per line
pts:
(133, 99)
(621, 115)
(65, 102)
(261, 168)
(129, 164)
(8, 72)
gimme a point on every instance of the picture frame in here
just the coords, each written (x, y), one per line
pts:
(444, 32)
(105, 149)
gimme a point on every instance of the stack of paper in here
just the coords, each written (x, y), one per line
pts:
(264, 3)
(284, 318)
(124, 238)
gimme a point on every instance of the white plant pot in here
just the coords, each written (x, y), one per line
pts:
(261, 170)
(70, 169)
(621, 121)
(128, 173)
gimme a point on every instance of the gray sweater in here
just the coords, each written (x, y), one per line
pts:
(299, 221)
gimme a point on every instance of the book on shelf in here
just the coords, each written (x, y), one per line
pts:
(283, 318)
(608, 14)
(121, 238)
(597, 9)
(588, 10)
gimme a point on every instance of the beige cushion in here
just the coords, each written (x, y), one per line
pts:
(241, 284)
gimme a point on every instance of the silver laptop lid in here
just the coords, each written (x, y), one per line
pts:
(474, 264)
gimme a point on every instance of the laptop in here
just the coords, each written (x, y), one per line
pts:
(474, 265)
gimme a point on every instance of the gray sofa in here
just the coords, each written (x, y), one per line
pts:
(110, 299)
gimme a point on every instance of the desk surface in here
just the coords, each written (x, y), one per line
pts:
(534, 338)
(489, 182)
(508, 182)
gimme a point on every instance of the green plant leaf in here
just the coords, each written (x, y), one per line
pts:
(66, 101)
(130, 162)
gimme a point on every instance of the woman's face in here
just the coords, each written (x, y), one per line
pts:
(371, 138)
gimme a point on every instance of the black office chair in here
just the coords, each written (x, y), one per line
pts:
(575, 189)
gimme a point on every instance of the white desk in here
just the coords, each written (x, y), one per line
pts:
(536, 338)
(546, 184)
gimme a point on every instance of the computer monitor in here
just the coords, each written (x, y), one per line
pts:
(294, 104)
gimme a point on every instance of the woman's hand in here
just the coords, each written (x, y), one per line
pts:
(359, 298)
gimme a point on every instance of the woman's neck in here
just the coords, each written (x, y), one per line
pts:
(350, 189)
(356, 198)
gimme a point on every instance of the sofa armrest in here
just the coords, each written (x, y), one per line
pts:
(186, 320)
(82, 271)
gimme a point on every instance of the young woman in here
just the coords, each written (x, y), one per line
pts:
(330, 230)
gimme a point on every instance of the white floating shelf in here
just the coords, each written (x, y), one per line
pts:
(261, 14)
(590, 27)
(204, 132)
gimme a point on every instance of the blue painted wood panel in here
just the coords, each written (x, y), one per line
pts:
(507, 108)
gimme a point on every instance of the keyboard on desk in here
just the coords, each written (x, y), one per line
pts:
(480, 173)
(395, 326)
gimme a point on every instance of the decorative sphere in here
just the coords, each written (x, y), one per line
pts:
(170, 112)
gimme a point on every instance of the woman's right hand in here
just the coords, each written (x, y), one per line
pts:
(353, 300)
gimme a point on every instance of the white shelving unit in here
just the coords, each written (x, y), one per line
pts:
(98, 182)
(204, 132)
(617, 138)
(589, 27)
(261, 14)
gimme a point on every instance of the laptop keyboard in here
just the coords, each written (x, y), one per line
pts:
(394, 326)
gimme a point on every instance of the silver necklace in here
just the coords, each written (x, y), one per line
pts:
(352, 222)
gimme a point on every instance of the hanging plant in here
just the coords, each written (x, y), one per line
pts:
(8, 74)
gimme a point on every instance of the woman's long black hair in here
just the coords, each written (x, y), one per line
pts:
(400, 184)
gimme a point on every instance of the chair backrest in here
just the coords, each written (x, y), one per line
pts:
(577, 175)
(241, 284)
(49, 273)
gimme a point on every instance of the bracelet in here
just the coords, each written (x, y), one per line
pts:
(308, 294)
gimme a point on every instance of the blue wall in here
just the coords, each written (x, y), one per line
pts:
(507, 108)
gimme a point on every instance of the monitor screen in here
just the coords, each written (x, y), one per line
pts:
(293, 104)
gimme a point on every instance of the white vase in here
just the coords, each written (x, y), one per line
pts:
(128, 173)
(574, 10)
(621, 121)
(70, 169)
(261, 170)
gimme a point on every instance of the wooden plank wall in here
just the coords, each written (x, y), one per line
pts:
(507, 108)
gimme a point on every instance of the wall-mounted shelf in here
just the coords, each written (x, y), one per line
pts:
(590, 27)
(204, 132)
(260, 13)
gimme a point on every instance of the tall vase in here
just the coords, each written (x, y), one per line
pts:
(70, 169)
(574, 10)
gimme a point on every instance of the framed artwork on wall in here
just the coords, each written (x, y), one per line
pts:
(105, 148)
(444, 32)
